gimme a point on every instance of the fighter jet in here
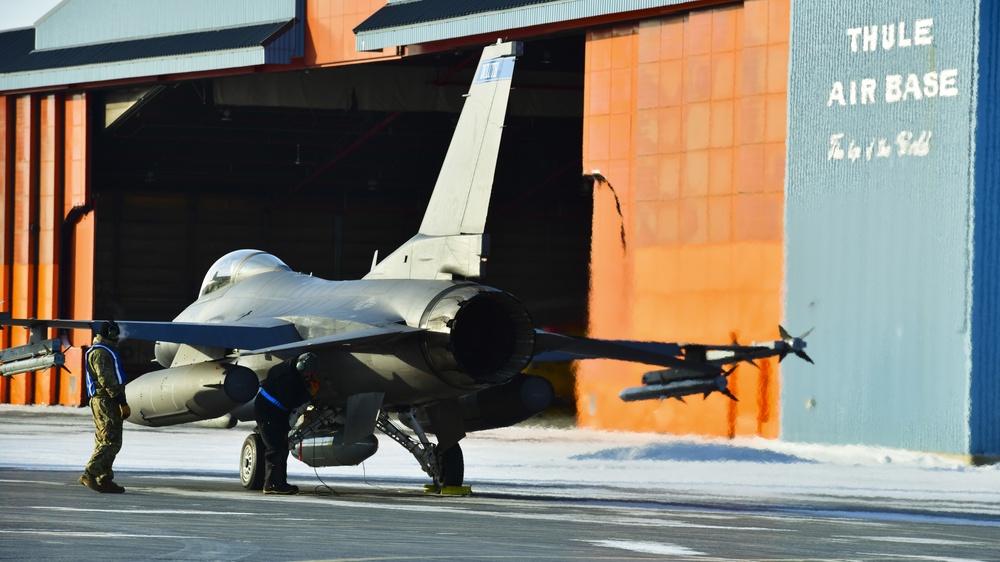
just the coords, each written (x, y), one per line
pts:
(415, 342)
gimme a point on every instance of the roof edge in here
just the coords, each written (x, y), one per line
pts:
(411, 33)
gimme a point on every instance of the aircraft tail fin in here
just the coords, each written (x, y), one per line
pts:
(450, 240)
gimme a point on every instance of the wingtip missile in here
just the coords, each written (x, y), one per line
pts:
(32, 357)
(794, 345)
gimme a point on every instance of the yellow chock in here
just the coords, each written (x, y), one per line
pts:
(448, 490)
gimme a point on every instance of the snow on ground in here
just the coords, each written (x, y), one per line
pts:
(554, 461)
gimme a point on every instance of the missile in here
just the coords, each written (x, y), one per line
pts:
(677, 388)
(30, 364)
(705, 368)
(32, 357)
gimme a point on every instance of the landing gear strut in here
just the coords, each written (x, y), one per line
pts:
(445, 467)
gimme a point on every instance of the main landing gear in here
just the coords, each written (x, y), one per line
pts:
(446, 467)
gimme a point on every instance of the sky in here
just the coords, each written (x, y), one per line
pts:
(23, 13)
(557, 462)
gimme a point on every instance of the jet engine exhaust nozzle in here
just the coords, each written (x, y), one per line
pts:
(478, 333)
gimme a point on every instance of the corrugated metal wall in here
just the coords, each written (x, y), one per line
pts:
(47, 239)
(878, 223)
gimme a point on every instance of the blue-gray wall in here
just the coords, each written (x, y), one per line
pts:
(879, 230)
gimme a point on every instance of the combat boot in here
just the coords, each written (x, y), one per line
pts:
(89, 481)
(284, 489)
(108, 486)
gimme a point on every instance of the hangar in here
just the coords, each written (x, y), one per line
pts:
(140, 143)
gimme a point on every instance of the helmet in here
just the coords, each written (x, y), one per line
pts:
(110, 330)
(306, 363)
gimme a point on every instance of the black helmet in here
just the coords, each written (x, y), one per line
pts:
(306, 363)
(110, 330)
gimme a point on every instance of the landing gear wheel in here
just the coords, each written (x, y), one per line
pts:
(452, 466)
(252, 463)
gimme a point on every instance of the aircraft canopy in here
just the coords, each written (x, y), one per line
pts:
(238, 265)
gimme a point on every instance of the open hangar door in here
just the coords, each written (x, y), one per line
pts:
(324, 167)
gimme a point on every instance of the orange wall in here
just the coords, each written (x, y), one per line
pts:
(49, 199)
(23, 303)
(685, 117)
(76, 193)
(329, 36)
(43, 175)
(6, 219)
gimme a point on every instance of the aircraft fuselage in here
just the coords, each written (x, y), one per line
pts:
(464, 336)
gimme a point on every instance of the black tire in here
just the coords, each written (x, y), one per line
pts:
(252, 462)
(452, 466)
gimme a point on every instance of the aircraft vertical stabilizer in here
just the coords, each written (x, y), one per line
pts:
(450, 239)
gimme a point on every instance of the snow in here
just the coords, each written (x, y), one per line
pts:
(564, 462)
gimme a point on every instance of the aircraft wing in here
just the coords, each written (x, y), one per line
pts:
(558, 347)
(227, 335)
(691, 368)
(270, 336)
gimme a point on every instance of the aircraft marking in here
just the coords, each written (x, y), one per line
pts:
(494, 70)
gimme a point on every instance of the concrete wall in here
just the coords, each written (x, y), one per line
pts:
(879, 224)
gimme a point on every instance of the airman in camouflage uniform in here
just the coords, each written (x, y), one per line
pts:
(106, 388)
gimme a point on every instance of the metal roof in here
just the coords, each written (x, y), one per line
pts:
(17, 53)
(66, 49)
(408, 13)
(75, 23)
(423, 21)
(23, 67)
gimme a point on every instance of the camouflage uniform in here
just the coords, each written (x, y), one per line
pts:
(106, 386)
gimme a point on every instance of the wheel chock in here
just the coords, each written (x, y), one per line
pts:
(448, 490)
